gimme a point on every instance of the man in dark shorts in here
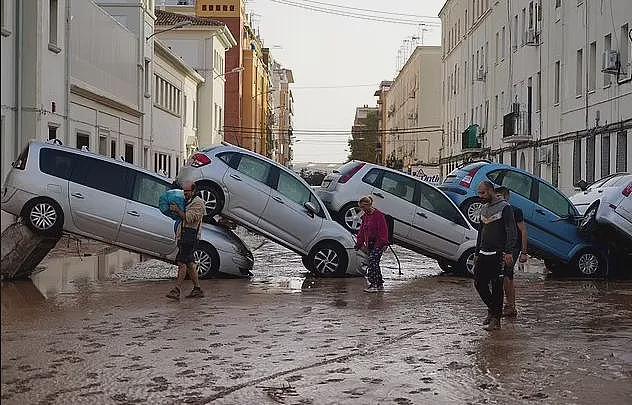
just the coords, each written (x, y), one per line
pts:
(494, 246)
(519, 255)
(187, 236)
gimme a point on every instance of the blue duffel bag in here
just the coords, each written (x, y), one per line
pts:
(171, 197)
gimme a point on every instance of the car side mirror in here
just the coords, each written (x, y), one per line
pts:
(583, 186)
(311, 207)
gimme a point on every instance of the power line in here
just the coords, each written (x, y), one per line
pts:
(367, 17)
(369, 10)
(335, 87)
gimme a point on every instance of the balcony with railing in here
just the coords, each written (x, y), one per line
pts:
(517, 126)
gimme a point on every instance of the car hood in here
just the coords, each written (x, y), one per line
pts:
(224, 239)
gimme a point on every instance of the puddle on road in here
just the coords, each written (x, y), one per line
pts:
(68, 274)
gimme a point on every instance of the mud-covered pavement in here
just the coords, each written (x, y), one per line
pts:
(284, 338)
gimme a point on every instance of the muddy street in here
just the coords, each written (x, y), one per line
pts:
(82, 334)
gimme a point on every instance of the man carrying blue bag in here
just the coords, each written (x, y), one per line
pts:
(187, 235)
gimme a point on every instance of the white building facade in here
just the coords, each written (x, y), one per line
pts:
(413, 113)
(202, 45)
(282, 114)
(525, 83)
(175, 87)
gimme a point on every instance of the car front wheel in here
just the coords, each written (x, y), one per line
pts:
(466, 263)
(589, 263)
(207, 260)
(43, 217)
(328, 260)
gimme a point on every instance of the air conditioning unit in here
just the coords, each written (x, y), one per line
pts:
(545, 155)
(610, 62)
(481, 74)
(532, 37)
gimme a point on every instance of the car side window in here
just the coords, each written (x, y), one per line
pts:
(398, 185)
(104, 176)
(371, 177)
(254, 168)
(553, 201)
(518, 183)
(226, 157)
(293, 189)
(57, 163)
(437, 203)
(148, 189)
(493, 176)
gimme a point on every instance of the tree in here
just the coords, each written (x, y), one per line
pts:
(363, 145)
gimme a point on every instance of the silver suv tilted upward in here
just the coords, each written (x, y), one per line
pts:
(55, 188)
(425, 220)
(275, 202)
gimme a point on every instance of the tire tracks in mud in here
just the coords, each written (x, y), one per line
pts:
(338, 359)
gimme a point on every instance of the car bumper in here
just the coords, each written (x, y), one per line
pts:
(235, 264)
(13, 199)
(356, 262)
(331, 200)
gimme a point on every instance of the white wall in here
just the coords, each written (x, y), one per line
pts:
(563, 32)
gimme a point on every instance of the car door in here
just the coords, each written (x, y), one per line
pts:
(286, 217)
(394, 195)
(144, 227)
(438, 226)
(555, 229)
(98, 194)
(247, 182)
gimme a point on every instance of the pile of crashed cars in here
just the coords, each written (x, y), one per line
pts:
(54, 188)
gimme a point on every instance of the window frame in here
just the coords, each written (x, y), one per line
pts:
(380, 180)
(501, 180)
(83, 170)
(572, 210)
(460, 220)
(269, 181)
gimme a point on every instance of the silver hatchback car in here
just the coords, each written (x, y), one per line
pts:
(424, 219)
(274, 202)
(56, 188)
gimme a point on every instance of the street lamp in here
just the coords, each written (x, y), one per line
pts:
(235, 70)
(175, 27)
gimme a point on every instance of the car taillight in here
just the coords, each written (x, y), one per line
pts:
(467, 180)
(628, 190)
(199, 160)
(346, 177)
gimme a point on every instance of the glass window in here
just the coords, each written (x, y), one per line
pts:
(434, 201)
(371, 176)
(293, 189)
(254, 168)
(398, 185)
(553, 201)
(56, 163)
(148, 189)
(104, 176)
(518, 183)
(493, 176)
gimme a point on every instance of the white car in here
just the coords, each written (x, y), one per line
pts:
(424, 219)
(275, 202)
(607, 203)
(55, 188)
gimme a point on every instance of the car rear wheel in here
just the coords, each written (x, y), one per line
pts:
(472, 210)
(328, 259)
(351, 217)
(587, 223)
(43, 217)
(207, 260)
(213, 199)
(588, 263)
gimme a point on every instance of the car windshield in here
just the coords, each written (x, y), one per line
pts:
(609, 181)
(347, 168)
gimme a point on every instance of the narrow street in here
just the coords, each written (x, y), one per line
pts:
(69, 337)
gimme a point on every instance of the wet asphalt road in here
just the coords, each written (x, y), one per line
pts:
(285, 338)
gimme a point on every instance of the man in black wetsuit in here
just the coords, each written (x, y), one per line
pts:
(494, 247)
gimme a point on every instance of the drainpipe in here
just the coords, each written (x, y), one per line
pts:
(67, 136)
(18, 82)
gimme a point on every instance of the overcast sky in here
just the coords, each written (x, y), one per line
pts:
(330, 50)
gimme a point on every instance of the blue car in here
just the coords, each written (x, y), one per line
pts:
(550, 217)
